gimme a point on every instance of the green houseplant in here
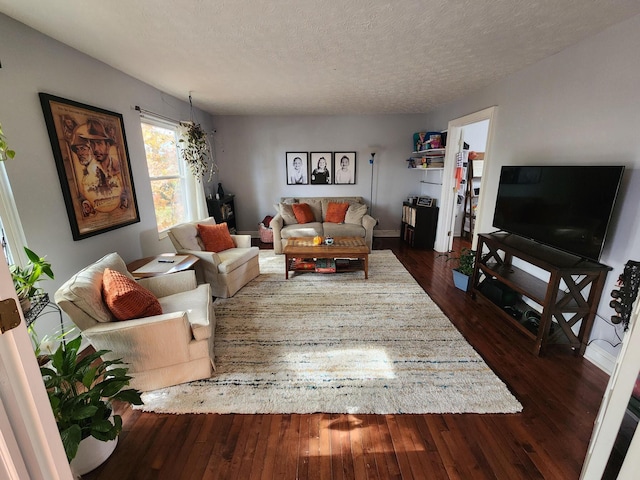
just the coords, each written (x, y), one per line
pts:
(462, 272)
(195, 149)
(81, 390)
(25, 278)
(5, 151)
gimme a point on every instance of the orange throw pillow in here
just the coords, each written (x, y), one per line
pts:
(126, 299)
(303, 212)
(215, 238)
(336, 212)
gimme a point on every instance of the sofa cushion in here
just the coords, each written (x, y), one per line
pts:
(126, 299)
(286, 211)
(316, 207)
(303, 213)
(336, 212)
(355, 212)
(186, 234)
(215, 238)
(305, 230)
(84, 289)
(343, 230)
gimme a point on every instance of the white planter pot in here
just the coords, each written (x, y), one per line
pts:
(91, 454)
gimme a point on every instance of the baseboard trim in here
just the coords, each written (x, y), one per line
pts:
(600, 358)
(386, 233)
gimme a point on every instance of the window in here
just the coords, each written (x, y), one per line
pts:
(169, 185)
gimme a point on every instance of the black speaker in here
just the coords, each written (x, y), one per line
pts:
(498, 292)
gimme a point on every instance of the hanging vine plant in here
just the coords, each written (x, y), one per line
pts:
(195, 149)
(5, 151)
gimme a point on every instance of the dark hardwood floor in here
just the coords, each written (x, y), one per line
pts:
(561, 394)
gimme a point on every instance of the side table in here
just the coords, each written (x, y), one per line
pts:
(163, 264)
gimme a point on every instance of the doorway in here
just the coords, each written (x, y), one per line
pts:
(450, 189)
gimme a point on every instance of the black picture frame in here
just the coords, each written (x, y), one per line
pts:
(425, 202)
(317, 176)
(342, 176)
(295, 175)
(92, 159)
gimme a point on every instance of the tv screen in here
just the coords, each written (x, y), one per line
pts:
(566, 207)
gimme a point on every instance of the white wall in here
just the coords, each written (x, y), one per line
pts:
(251, 155)
(580, 106)
(32, 63)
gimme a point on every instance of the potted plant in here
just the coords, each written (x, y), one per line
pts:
(195, 149)
(464, 270)
(80, 392)
(5, 151)
(25, 278)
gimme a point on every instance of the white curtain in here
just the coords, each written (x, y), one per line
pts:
(196, 201)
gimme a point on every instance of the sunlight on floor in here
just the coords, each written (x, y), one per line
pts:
(355, 363)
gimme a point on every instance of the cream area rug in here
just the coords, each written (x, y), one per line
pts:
(337, 343)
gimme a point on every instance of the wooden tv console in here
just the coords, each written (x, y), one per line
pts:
(570, 295)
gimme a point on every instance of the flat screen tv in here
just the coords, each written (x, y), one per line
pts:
(566, 207)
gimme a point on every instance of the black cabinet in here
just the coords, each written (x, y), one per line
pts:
(419, 225)
(223, 210)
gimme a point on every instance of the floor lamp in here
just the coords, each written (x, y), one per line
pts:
(371, 162)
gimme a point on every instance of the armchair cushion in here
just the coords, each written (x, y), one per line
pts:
(186, 234)
(84, 290)
(126, 299)
(215, 238)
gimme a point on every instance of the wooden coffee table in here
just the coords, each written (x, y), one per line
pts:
(161, 264)
(352, 248)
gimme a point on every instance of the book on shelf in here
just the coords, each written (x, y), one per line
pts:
(304, 264)
(325, 265)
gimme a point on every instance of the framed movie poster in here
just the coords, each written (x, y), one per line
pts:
(344, 168)
(297, 168)
(321, 163)
(90, 150)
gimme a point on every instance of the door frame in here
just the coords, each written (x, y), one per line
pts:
(444, 233)
(32, 439)
(613, 407)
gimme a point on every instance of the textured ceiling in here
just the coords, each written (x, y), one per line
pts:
(319, 56)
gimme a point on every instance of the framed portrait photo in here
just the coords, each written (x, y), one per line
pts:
(297, 168)
(321, 168)
(344, 168)
(425, 201)
(92, 159)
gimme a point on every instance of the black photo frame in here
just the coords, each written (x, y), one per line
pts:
(297, 172)
(425, 201)
(318, 175)
(342, 175)
(92, 159)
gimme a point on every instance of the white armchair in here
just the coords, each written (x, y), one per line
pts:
(161, 350)
(227, 271)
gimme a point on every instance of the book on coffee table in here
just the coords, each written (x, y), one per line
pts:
(325, 265)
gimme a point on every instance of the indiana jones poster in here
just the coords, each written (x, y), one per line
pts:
(92, 159)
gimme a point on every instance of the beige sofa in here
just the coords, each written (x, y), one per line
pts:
(161, 350)
(357, 222)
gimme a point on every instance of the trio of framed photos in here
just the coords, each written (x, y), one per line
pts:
(321, 168)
